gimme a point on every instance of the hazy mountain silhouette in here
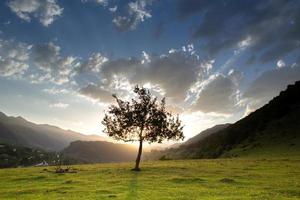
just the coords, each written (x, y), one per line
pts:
(273, 129)
(17, 130)
(100, 151)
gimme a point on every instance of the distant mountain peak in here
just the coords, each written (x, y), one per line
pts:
(21, 119)
(2, 115)
(17, 130)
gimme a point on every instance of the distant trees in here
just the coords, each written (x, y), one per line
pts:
(143, 119)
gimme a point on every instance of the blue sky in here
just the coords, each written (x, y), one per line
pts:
(215, 61)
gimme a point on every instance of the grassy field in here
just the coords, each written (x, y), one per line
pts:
(185, 179)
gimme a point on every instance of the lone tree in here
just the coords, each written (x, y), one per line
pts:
(141, 119)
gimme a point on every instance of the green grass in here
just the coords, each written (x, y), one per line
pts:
(267, 146)
(186, 179)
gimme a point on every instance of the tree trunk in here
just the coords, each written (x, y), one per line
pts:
(138, 158)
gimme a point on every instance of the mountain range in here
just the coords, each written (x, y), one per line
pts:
(272, 130)
(17, 130)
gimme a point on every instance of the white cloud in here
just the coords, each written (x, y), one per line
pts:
(280, 64)
(100, 2)
(59, 105)
(52, 65)
(177, 75)
(14, 57)
(45, 10)
(136, 14)
(55, 91)
(242, 45)
(138, 8)
(129, 15)
(113, 9)
(174, 72)
(145, 58)
(93, 63)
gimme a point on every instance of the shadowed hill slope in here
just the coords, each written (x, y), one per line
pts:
(205, 134)
(273, 129)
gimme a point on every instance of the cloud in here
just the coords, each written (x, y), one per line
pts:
(113, 9)
(126, 17)
(175, 109)
(273, 26)
(55, 91)
(97, 92)
(218, 94)
(45, 10)
(14, 57)
(52, 66)
(280, 64)
(100, 2)
(174, 73)
(136, 12)
(93, 63)
(46, 63)
(268, 85)
(235, 76)
(171, 75)
(59, 105)
(178, 75)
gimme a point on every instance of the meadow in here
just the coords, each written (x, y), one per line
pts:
(181, 179)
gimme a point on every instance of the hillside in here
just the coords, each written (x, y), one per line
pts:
(205, 134)
(273, 129)
(18, 156)
(100, 151)
(17, 130)
(164, 154)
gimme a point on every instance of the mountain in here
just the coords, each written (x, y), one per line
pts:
(17, 130)
(205, 133)
(272, 130)
(100, 151)
(173, 149)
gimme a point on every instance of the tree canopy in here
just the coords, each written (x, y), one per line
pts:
(142, 119)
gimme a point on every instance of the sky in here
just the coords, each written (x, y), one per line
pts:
(214, 61)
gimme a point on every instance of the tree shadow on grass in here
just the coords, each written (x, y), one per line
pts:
(133, 187)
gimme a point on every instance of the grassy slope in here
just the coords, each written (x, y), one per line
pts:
(188, 179)
(280, 138)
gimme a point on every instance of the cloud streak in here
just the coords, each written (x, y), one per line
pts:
(273, 26)
(59, 105)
